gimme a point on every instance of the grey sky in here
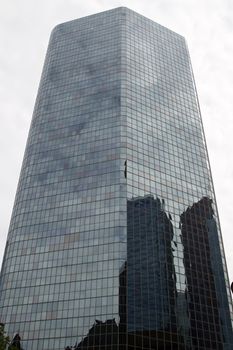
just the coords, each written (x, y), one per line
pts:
(25, 27)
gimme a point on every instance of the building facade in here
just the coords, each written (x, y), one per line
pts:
(114, 240)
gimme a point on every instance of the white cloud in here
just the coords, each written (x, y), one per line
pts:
(208, 27)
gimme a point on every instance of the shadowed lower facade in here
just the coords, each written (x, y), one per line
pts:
(114, 240)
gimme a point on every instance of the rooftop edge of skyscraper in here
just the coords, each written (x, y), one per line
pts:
(123, 9)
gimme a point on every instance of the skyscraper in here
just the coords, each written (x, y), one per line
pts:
(114, 240)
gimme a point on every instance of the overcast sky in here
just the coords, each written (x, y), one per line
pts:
(25, 27)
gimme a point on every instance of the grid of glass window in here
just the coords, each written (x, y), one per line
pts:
(114, 240)
(61, 267)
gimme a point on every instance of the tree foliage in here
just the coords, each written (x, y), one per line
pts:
(4, 339)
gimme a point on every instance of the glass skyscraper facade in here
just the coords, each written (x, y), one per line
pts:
(114, 240)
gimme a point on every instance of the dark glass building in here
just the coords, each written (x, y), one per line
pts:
(114, 241)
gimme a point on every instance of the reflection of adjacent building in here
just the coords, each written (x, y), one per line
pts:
(151, 278)
(200, 241)
(152, 313)
(151, 289)
(147, 285)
